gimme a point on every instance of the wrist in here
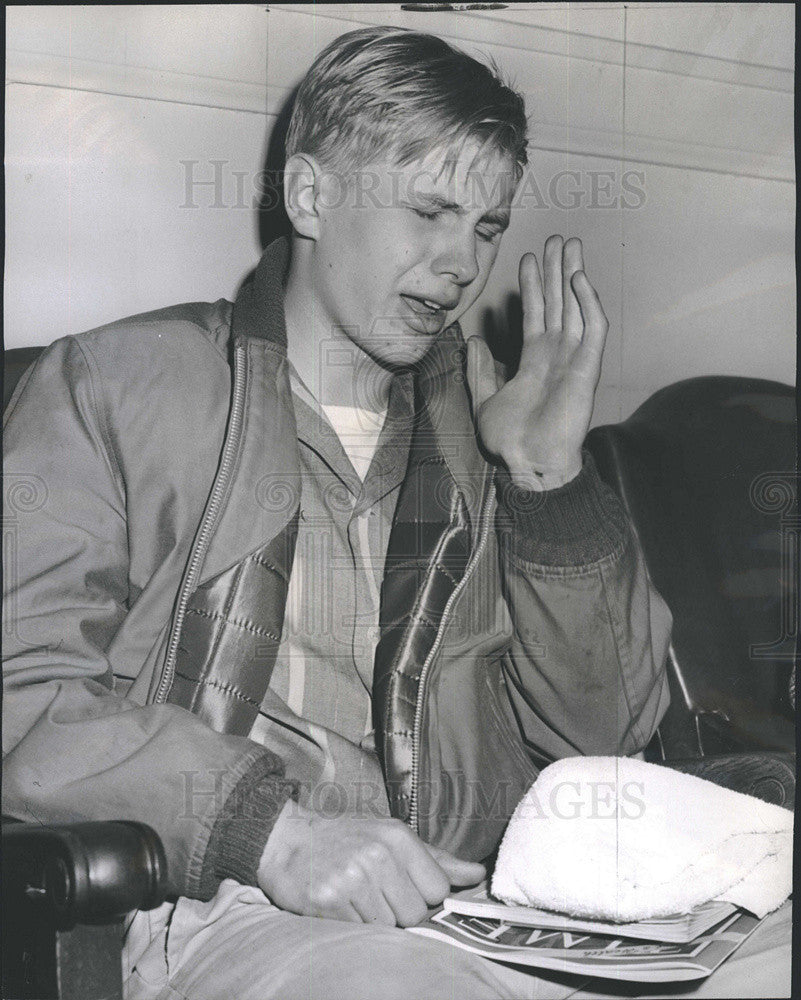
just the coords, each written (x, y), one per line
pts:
(579, 523)
(244, 824)
(275, 854)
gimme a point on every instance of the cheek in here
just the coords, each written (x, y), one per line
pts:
(363, 241)
(387, 262)
(380, 272)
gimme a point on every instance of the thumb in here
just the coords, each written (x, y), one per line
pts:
(480, 372)
(459, 872)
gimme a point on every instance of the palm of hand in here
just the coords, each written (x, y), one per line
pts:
(537, 421)
(542, 412)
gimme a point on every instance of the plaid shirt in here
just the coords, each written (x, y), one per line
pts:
(318, 709)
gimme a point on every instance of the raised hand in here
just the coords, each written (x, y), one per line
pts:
(536, 422)
(356, 869)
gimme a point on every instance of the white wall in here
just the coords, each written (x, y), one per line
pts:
(103, 104)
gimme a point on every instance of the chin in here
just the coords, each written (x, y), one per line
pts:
(411, 357)
(404, 352)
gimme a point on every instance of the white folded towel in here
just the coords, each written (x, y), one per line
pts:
(618, 839)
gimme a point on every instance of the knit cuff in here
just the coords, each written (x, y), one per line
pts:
(244, 824)
(575, 524)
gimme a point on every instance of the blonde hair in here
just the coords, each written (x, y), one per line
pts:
(391, 93)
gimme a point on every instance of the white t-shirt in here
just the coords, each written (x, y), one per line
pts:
(359, 431)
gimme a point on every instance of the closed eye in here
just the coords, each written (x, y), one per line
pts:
(423, 214)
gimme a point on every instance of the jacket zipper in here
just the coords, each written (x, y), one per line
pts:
(417, 731)
(208, 522)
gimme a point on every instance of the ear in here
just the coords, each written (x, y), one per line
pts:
(302, 180)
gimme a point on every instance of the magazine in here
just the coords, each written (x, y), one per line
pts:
(593, 954)
(676, 929)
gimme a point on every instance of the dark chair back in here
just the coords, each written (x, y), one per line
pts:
(706, 469)
(15, 362)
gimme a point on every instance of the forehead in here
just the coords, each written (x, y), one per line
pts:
(474, 178)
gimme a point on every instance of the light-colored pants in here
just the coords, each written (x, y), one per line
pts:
(240, 947)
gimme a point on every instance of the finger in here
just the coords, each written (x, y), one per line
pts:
(596, 325)
(346, 911)
(331, 896)
(572, 261)
(552, 266)
(532, 296)
(480, 372)
(340, 910)
(428, 878)
(459, 872)
(372, 907)
(405, 901)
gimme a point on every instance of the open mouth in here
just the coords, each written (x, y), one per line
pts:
(425, 315)
(424, 305)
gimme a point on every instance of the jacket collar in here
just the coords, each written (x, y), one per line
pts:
(442, 384)
(259, 307)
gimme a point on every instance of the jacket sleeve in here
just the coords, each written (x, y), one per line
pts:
(585, 671)
(75, 748)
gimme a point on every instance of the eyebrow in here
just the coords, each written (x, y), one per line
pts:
(495, 216)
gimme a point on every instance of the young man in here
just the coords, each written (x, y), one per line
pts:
(309, 589)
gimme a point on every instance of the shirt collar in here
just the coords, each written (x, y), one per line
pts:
(388, 466)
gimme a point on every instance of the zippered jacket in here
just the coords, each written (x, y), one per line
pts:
(151, 497)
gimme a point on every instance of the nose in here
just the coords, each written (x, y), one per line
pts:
(457, 258)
